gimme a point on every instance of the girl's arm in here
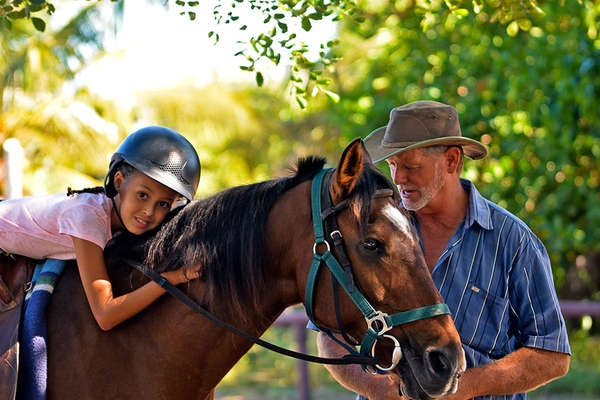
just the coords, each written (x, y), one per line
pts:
(108, 310)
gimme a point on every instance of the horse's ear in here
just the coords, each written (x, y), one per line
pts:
(351, 165)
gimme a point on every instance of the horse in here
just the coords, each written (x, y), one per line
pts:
(255, 244)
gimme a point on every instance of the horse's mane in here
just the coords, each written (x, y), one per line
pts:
(225, 233)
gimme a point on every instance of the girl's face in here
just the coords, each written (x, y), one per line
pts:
(143, 203)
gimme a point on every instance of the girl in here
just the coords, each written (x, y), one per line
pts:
(149, 174)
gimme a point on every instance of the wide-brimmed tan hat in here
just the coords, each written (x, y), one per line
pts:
(421, 124)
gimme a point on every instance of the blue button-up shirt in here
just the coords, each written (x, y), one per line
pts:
(496, 278)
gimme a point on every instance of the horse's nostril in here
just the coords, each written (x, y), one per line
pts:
(438, 362)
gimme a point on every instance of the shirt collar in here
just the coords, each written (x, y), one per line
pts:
(478, 209)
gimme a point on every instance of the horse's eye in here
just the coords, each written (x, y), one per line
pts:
(371, 244)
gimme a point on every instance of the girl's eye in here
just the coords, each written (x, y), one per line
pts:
(371, 244)
(142, 195)
(165, 204)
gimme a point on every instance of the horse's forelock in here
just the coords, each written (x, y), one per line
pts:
(368, 183)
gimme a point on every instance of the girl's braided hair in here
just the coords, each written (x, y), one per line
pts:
(124, 168)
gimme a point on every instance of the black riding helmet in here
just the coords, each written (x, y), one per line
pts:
(162, 154)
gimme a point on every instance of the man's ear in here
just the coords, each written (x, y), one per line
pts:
(452, 159)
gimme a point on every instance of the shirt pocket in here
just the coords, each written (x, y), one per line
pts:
(484, 322)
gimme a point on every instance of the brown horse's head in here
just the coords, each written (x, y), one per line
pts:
(389, 269)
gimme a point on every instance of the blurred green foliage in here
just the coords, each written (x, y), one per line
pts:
(532, 97)
(35, 63)
(63, 137)
(282, 20)
(242, 135)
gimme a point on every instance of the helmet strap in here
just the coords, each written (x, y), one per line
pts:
(119, 214)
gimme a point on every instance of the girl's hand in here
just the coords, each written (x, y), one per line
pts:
(181, 275)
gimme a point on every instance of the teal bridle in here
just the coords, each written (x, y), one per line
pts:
(378, 322)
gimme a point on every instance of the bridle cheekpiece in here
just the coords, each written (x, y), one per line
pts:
(378, 322)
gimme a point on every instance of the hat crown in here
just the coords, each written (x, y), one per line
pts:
(421, 124)
(421, 120)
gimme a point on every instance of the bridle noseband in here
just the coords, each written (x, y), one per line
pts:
(378, 322)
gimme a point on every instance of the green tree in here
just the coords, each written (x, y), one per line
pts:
(532, 98)
(284, 19)
(242, 135)
(54, 126)
(34, 63)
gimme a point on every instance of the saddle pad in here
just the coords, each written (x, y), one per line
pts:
(33, 358)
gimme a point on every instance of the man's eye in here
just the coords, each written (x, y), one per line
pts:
(371, 244)
(142, 195)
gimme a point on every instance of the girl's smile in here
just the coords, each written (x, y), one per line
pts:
(142, 202)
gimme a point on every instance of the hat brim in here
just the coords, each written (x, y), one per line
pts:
(373, 142)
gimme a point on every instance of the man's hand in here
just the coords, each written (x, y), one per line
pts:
(387, 387)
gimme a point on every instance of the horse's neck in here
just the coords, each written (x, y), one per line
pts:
(210, 351)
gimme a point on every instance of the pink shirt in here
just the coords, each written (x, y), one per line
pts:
(41, 226)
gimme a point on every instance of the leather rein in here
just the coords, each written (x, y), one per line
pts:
(378, 323)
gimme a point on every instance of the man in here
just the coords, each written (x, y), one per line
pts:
(492, 271)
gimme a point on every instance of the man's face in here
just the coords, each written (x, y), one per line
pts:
(418, 175)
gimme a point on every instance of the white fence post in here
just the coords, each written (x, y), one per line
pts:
(13, 162)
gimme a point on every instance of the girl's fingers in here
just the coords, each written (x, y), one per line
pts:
(192, 275)
(196, 268)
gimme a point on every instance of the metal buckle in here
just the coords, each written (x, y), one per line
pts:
(378, 318)
(334, 232)
(396, 354)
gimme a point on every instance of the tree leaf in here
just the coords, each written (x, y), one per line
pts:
(301, 100)
(306, 25)
(461, 12)
(332, 95)
(38, 23)
(259, 79)
(524, 24)
(17, 14)
(512, 29)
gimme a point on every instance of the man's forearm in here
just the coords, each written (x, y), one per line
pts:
(519, 372)
(352, 377)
